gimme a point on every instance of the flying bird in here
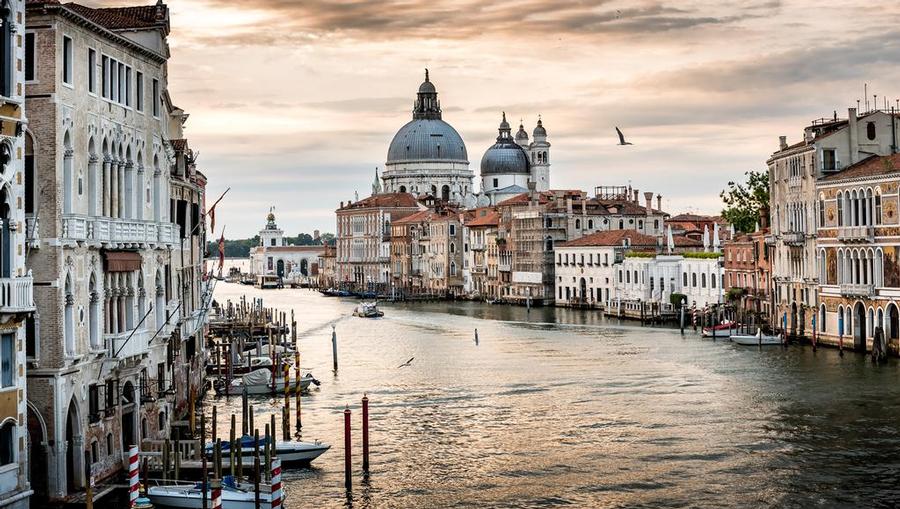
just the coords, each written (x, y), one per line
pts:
(407, 363)
(622, 138)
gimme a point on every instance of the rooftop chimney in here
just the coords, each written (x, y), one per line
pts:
(659, 202)
(648, 197)
(782, 142)
(636, 193)
(854, 135)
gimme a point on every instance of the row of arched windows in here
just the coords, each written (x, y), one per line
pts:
(858, 207)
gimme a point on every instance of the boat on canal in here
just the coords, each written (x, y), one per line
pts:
(190, 496)
(368, 310)
(334, 292)
(260, 382)
(291, 454)
(757, 339)
(722, 330)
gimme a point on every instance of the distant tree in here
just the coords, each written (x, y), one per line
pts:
(327, 239)
(305, 239)
(240, 248)
(746, 201)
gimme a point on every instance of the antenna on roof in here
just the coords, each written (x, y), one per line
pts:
(866, 94)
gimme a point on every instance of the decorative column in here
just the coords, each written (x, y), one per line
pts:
(123, 201)
(68, 180)
(92, 185)
(107, 197)
(113, 188)
(139, 192)
(113, 308)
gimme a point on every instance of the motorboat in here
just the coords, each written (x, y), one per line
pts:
(368, 310)
(334, 292)
(234, 496)
(260, 382)
(758, 339)
(722, 330)
(242, 368)
(290, 453)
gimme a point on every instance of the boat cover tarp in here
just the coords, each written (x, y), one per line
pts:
(258, 377)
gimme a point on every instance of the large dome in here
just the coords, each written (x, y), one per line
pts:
(427, 139)
(505, 157)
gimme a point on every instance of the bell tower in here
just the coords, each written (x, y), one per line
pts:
(540, 157)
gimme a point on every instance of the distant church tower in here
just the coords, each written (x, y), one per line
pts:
(271, 235)
(540, 155)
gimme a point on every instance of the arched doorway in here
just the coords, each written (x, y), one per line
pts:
(74, 457)
(445, 193)
(859, 327)
(304, 267)
(128, 407)
(37, 459)
(279, 268)
(582, 292)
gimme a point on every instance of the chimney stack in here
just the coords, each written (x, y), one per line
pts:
(315, 234)
(648, 197)
(659, 202)
(854, 135)
(782, 142)
(636, 193)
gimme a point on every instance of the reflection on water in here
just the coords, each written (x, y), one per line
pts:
(562, 407)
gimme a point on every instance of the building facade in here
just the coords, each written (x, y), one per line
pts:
(859, 254)
(107, 345)
(510, 164)
(828, 146)
(748, 273)
(363, 239)
(275, 256)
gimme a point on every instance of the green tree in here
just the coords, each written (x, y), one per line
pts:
(746, 201)
(305, 239)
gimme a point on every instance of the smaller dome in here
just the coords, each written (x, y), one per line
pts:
(504, 125)
(521, 135)
(539, 129)
(427, 87)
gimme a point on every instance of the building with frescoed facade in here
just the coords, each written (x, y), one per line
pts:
(858, 253)
(828, 146)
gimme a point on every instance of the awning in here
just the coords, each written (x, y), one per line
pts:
(122, 261)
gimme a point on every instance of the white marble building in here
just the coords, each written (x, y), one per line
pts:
(510, 164)
(275, 256)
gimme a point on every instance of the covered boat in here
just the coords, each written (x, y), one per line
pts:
(723, 330)
(758, 339)
(368, 310)
(290, 453)
(260, 382)
(234, 496)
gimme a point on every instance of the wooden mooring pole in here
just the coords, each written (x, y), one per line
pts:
(348, 474)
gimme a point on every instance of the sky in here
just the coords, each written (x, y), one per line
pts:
(293, 103)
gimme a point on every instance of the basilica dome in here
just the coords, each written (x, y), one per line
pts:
(505, 157)
(427, 137)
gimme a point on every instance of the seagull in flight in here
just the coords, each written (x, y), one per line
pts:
(622, 138)
(407, 363)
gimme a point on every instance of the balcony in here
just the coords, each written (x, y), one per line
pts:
(120, 347)
(191, 324)
(16, 295)
(857, 290)
(793, 238)
(123, 232)
(503, 267)
(856, 233)
(477, 246)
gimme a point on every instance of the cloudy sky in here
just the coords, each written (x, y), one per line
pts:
(293, 102)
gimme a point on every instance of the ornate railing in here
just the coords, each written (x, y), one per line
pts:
(16, 294)
(121, 347)
(117, 231)
(857, 290)
(856, 233)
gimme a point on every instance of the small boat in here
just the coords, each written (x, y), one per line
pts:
(758, 339)
(368, 310)
(242, 368)
(723, 330)
(334, 292)
(260, 382)
(234, 496)
(290, 453)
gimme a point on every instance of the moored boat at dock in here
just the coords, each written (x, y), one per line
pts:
(722, 330)
(290, 453)
(757, 339)
(260, 381)
(190, 496)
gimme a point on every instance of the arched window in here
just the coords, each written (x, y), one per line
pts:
(452, 247)
(578, 224)
(402, 189)
(8, 443)
(7, 52)
(94, 314)
(590, 224)
(157, 190)
(69, 317)
(840, 209)
(109, 444)
(870, 130)
(703, 280)
(452, 268)
(68, 177)
(877, 213)
(548, 244)
(684, 279)
(694, 279)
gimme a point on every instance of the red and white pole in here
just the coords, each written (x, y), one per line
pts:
(216, 497)
(134, 479)
(277, 492)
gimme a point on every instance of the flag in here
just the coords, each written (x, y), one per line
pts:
(212, 212)
(222, 251)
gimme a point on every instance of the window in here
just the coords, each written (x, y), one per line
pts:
(155, 91)
(109, 444)
(161, 376)
(95, 452)
(877, 209)
(29, 56)
(67, 60)
(7, 360)
(93, 403)
(104, 72)
(452, 229)
(7, 52)
(111, 393)
(139, 96)
(870, 130)
(684, 279)
(113, 80)
(496, 183)
(7, 443)
(128, 86)
(829, 162)
(703, 280)
(121, 81)
(92, 72)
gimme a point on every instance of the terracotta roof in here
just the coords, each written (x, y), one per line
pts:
(415, 217)
(485, 217)
(613, 238)
(429, 215)
(873, 166)
(384, 200)
(121, 18)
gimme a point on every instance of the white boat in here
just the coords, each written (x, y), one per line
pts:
(290, 453)
(191, 495)
(723, 330)
(757, 339)
(260, 382)
(368, 310)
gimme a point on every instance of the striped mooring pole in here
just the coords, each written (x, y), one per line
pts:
(134, 482)
(277, 493)
(216, 497)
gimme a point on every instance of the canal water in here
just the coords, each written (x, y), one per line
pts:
(562, 407)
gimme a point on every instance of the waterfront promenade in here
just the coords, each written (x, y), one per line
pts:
(559, 406)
